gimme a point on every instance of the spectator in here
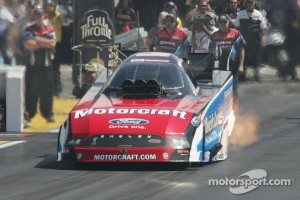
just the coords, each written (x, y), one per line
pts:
(252, 26)
(170, 38)
(232, 46)
(199, 10)
(25, 19)
(292, 29)
(170, 7)
(39, 39)
(66, 9)
(56, 20)
(125, 16)
(232, 11)
(220, 6)
(161, 21)
(7, 19)
(203, 24)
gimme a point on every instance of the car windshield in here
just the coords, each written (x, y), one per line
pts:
(165, 73)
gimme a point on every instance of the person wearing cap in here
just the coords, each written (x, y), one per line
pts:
(39, 40)
(170, 38)
(125, 16)
(161, 21)
(56, 20)
(17, 28)
(252, 25)
(232, 10)
(170, 7)
(199, 9)
(232, 45)
(66, 9)
(203, 24)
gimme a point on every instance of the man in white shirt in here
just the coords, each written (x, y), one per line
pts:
(252, 25)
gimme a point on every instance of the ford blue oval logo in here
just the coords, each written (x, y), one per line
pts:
(129, 121)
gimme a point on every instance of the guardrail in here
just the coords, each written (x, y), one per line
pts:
(12, 91)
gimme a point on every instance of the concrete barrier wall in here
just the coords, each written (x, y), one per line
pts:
(12, 91)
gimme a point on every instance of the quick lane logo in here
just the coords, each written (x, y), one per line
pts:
(96, 27)
(85, 112)
(129, 121)
(215, 119)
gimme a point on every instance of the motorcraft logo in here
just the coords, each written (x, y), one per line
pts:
(129, 121)
(100, 111)
(249, 181)
(96, 26)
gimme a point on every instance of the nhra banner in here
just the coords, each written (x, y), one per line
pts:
(93, 24)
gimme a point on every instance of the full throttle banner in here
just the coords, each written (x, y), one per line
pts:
(93, 24)
(96, 27)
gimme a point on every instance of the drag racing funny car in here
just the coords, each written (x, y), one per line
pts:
(153, 108)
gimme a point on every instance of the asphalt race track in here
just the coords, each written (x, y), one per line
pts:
(266, 137)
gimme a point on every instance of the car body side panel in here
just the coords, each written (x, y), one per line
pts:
(214, 120)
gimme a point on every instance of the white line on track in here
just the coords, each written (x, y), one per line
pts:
(11, 144)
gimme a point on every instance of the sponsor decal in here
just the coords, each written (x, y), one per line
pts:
(154, 141)
(129, 121)
(125, 157)
(206, 156)
(100, 111)
(125, 136)
(94, 141)
(150, 60)
(96, 27)
(211, 136)
(214, 120)
(196, 121)
(126, 127)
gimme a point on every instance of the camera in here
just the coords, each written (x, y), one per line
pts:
(200, 21)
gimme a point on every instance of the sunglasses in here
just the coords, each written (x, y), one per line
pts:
(233, 2)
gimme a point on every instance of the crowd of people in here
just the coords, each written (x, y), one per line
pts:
(239, 33)
(238, 26)
(35, 34)
(252, 18)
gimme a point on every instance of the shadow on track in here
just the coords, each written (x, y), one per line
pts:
(49, 162)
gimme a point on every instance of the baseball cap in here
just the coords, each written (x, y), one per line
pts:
(224, 18)
(38, 10)
(172, 15)
(169, 6)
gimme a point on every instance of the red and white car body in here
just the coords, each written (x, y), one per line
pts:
(151, 110)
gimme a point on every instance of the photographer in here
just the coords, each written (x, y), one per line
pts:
(203, 23)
